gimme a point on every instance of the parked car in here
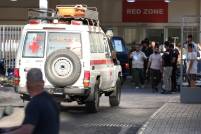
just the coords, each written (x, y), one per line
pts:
(122, 54)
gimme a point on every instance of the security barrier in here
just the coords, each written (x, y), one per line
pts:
(9, 41)
(190, 79)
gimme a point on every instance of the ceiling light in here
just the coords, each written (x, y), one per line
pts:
(13, 0)
(130, 0)
(167, 1)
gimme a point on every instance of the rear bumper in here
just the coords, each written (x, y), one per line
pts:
(74, 91)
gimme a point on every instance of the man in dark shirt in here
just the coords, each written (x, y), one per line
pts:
(175, 55)
(148, 50)
(167, 69)
(42, 113)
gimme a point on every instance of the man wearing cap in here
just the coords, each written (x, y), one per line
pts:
(41, 113)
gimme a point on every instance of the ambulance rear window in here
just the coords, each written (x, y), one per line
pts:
(64, 40)
(34, 45)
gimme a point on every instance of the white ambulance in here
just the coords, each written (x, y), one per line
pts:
(74, 54)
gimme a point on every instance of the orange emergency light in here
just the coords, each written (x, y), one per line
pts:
(71, 11)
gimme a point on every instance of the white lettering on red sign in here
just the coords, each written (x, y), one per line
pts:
(153, 11)
(134, 11)
(145, 11)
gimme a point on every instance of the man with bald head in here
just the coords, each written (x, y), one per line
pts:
(138, 58)
(41, 113)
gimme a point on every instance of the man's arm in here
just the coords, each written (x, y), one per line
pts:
(161, 64)
(144, 56)
(24, 129)
(30, 121)
(131, 55)
(149, 63)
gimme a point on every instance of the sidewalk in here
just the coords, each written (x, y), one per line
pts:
(174, 118)
(8, 97)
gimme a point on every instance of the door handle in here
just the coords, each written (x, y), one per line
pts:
(93, 67)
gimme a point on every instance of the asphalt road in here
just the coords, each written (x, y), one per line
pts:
(136, 106)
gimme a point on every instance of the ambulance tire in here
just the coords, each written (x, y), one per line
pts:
(62, 68)
(93, 106)
(114, 99)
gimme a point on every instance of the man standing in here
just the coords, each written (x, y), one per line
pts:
(191, 65)
(147, 50)
(155, 64)
(175, 55)
(41, 113)
(167, 69)
(138, 58)
(190, 41)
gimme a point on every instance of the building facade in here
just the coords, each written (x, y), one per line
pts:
(112, 12)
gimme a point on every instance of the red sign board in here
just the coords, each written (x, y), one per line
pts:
(145, 11)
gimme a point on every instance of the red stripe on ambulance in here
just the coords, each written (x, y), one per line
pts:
(99, 62)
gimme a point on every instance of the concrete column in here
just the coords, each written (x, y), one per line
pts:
(121, 31)
(165, 38)
(43, 3)
(140, 34)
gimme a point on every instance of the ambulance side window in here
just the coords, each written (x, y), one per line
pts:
(100, 43)
(96, 42)
(92, 43)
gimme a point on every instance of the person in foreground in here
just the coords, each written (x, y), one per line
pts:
(42, 112)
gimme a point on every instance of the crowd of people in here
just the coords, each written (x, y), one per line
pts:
(150, 65)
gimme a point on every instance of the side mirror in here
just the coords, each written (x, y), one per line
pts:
(109, 33)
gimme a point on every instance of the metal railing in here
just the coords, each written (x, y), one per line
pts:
(9, 40)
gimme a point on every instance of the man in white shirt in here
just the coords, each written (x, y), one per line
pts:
(190, 41)
(138, 58)
(191, 65)
(155, 64)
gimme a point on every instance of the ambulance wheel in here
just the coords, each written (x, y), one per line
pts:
(62, 68)
(115, 97)
(93, 106)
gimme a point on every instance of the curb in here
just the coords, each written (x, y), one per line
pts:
(144, 126)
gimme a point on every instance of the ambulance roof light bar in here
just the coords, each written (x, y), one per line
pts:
(77, 11)
(65, 14)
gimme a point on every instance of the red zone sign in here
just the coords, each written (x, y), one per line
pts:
(145, 11)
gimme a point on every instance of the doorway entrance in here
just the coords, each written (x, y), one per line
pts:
(156, 35)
